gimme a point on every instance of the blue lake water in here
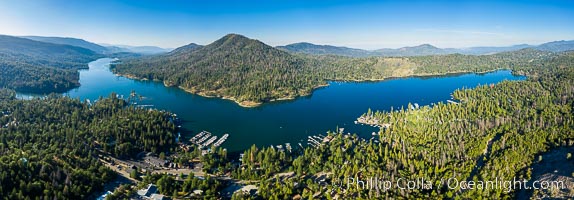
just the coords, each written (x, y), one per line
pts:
(337, 105)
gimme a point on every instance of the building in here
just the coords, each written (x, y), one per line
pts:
(158, 197)
(104, 195)
(147, 192)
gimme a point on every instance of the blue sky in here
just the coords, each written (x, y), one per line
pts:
(354, 23)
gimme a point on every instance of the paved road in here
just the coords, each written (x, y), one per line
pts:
(121, 172)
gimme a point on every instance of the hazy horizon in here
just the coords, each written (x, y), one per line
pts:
(363, 24)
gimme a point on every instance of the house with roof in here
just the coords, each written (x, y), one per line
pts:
(146, 193)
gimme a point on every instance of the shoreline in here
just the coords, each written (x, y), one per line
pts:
(417, 76)
(131, 76)
(248, 104)
(253, 104)
(245, 104)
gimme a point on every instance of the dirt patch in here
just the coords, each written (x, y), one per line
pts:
(555, 167)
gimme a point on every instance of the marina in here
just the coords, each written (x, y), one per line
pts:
(315, 141)
(196, 137)
(205, 139)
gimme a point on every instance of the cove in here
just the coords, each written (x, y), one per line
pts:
(275, 123)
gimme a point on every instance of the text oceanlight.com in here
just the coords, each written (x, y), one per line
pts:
(375, 183)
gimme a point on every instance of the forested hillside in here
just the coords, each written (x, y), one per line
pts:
(234, 67)
(314, 49)
(420, 50)
(70, 41)
(32, 66)
(49, 147)
(557, 46)
(496, 131)
(492, 132)
(251, 72)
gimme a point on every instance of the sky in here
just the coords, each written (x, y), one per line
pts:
(363, 24)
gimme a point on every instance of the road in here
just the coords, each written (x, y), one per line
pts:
(121, 172)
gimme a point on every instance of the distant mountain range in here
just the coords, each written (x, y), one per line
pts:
(314, 49)
(308, 48)
(45, 53)
(424, 49)
(102, 49)
(136, 49)
(557, 46)
(421, 50)
(489, 50)
(69, 41)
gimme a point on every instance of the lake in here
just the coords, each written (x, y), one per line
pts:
(337, 105)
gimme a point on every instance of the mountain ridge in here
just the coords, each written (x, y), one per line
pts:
(309, 48)
(420, 50)
(69, 41)
(251, 72)
(40, 67)
(226, 68)
(146, 50)
(98, 48)
(185, 48)
(317, 49)
(557, 46)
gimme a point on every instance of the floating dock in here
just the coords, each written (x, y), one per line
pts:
(451, 101)
(211, 140)
(313, 142)
(207, 135)
(205, 139)
(196, 137)
(221, 140)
